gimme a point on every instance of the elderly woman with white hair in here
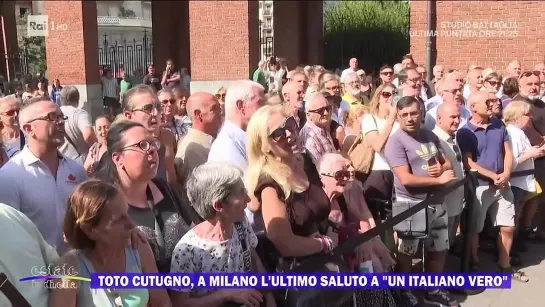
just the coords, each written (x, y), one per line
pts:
(223, 243)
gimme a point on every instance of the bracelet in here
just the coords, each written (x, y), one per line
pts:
(323, 243)
(329, 243)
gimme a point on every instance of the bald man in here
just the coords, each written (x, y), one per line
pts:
(39, 180)
(315, 134)
(352, 67)
(294, 95)
(205, 113)
(485, 147)
(452, 96)
(474, 82)
(514, 69)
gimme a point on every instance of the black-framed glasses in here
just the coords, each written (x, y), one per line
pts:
(321, 111)
(11, 112)
(52, 117)
(144, 145)
(289, 124)
(220, 96)
(530, 73)
(340, 175)
(167, 101)
(148, 108)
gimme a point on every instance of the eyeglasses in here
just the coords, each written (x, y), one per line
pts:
(11, 112)
(387, 95)
(492, 82)
(220, 96)
(387, 73)
(148, 108)
(340, 175)
(453, 91)
(415, 80)
(529, 73)
(52, 117)
(279, 133)
(334, 88)
(492, 101)
(167, 101)
(412, 115)
(144, 145)
(322, 110)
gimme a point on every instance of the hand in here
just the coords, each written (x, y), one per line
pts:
(536, 152)
(364, 252)
(435, 170)
(333, 236)
(247, 297)
(446, 176)
(138, 237)
(392, 113)
(502, 180)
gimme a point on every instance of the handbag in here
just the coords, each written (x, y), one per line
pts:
(360, 152)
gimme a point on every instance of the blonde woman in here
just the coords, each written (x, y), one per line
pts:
(289, 199)
(352, 123)
(376, 128)
(516, 117)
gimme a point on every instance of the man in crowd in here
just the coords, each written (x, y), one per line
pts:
(243, 98)
(301, 78)
(437, 99)
(205, 112)
(451, 95)
(294, 95)
(513, 69)
(420, 168)
(474, 82)
(110, 92)
(353, 67)
(426, 90)
(315, 133)
(438, 73)
(352, 91)
(39, 180)
(485, 147)
(80, 135)
(12, 136)
(152, 79)
(448, 121)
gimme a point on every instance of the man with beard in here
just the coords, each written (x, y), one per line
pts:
(352, 91)
(39, 180)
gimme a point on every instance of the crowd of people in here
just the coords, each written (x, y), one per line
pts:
(260, 175)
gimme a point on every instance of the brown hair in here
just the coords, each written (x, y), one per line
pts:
(85, 207)
(375, 101)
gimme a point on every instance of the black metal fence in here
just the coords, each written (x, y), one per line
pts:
(129, 57)
(266, 43)
(18, 62)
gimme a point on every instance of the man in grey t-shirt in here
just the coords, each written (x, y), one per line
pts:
(79, 131)
(420, 168)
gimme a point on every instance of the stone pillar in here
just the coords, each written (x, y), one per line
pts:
(170, 20)
(302, 41)
(7, 64)
(72, 54)
(224, 42)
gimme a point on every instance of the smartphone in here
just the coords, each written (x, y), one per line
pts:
(271, 79)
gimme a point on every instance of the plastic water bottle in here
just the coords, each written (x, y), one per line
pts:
(366, 267)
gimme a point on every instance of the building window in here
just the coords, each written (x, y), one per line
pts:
(268, 22)
(23, 11)
(267, 33)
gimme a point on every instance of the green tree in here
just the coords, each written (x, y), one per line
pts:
(32, 48)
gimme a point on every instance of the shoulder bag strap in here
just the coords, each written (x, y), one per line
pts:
(22, 140)
(159, 224)
(12, 294)
(246, 252)
(189, 215)
(69, 139)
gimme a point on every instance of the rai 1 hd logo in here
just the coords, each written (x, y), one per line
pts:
(39, 25)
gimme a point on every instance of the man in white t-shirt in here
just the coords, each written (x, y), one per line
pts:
(353, 67)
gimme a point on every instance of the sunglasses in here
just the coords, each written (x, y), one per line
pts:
(334, 88)
(340, 175)
(492, 101)
(322, 110)
(387, 95)
(387, 73)
(289, 124)
(11, 112)
(529, 73)
(144, 145)
(52, 118)
(148, 108)
(167, 101)
(493, 83)
(220, 96)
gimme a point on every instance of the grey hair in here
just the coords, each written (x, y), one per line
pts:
(352, 75)
(209, 183)
(328, 160)
(69, 96)
(26, 113)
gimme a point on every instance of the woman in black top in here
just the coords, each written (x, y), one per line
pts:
(131, 162)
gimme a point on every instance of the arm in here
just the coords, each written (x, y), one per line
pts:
(507, 159)
(470, 164)
(533, 135)
(357, 206)
(378, 138)
(406, 178)
(9, 193)
(157, 297)
(279, 230)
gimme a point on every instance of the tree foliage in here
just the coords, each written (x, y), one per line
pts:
(31, 49)
(375, 32)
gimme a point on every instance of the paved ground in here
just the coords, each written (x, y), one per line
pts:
(521, 295)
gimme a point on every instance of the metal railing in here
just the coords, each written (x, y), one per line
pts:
(126, 57)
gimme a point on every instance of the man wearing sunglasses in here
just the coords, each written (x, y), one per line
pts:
(437, 99)
(315, 134)
(452, 95)
(38, 180)
(12, 136)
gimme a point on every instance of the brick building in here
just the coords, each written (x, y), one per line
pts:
(488, 33)
(217, 40)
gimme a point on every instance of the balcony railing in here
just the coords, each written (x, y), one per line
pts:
(267, 11)
(124, 21)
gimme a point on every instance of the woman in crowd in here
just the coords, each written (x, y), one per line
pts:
(181, 115)
(131, 163)
(492, 82)
(376, 128)
(365, 87)
(351, 216)
(170, 109)
(220, 96)
(11, 133)
(510, 90)
(56, 92)
(41, 91)
(290, 200)
(525, 189)
(102, 125)
(98, 227)
(223, 243)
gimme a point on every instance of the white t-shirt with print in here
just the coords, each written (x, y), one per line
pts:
(373, 123)
(520, 144)
(194, 254)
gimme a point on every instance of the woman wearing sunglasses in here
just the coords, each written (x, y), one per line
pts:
(492, 82)
(350, 215)
(220, 96)
(377, 126)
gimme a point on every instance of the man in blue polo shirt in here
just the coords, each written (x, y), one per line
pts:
(485, 147)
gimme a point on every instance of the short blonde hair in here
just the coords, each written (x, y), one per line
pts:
(355, 112)
(515, 110)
